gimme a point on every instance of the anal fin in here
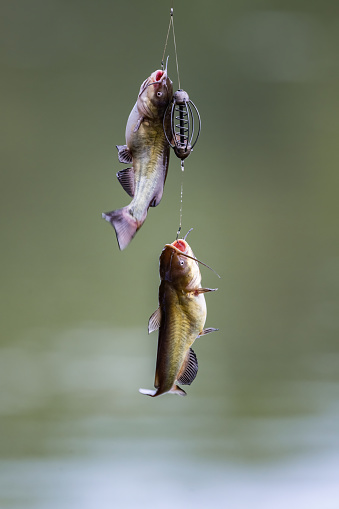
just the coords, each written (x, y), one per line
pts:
(126, 179)
(189, 369)
(124, 154)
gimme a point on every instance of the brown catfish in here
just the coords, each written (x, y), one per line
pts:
(147, 149)
(180, 319)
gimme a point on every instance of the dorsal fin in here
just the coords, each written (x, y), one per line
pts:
(126, 179)
(189, 369)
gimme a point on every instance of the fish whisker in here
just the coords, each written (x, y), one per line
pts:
(192, 258)
(189, 231)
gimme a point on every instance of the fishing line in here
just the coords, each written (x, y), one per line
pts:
(171, 23)
(175, 48)
(181, 202)
(163, 55)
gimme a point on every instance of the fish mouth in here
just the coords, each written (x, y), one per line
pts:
(158, 76)
(181, 247)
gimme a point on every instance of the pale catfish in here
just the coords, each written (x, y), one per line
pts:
(147, 150)
(180, 319)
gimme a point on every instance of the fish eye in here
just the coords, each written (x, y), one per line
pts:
(159, 94)
(182, 262)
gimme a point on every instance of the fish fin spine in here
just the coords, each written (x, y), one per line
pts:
(154, 321)
(124, 155)
(207, 331)
(124, 224)
(138, 124)
(198, 291)
(127, 180)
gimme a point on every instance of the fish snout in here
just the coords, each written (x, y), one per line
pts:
(181, 245)
(158, 76)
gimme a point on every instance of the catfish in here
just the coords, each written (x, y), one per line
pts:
(147, 151)
(180, 319)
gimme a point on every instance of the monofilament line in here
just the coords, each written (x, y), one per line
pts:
(175, 49)
(171, 22)
(181, 203)
(163, 55)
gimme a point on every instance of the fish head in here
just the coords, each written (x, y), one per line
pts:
(178, 265)
(155, 94)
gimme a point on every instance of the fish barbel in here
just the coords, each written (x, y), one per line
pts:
(180, 319)
(147, 150)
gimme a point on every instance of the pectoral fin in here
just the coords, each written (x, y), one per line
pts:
(126, 179)
(138, 124)
(154, 321)
(207, 331)
(189, 369)
(124, 155)
(204, 290)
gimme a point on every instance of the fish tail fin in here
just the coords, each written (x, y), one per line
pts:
(155, 392)
(148, 392)
(124, 224)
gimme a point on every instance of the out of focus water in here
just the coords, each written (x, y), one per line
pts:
(259, 427)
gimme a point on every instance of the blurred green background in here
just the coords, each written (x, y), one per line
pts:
(259, 427)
